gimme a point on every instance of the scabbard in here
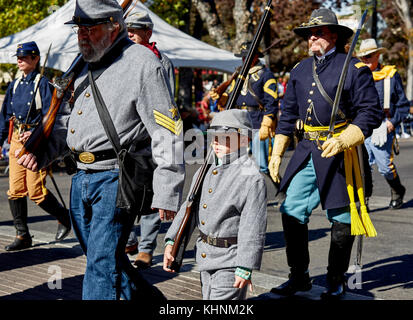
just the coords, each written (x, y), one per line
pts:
(11, 125)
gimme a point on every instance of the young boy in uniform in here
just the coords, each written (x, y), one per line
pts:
(231, 214)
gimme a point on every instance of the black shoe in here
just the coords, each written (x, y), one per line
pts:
(396, 204)
(20, 243)
(293, 285)
(62, 231)
(334, 291)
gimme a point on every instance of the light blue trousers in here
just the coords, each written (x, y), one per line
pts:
(382, 156)
(303, 196)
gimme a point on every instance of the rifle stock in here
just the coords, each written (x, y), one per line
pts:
(183, 234)
(62, 85)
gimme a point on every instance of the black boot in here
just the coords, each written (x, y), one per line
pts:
(54, 208)
(298, 258)
(338, 260)
(397, 193)
(23, 239)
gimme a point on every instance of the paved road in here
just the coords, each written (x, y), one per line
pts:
(387, 259)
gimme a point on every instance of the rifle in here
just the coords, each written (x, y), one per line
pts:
(223, 86)
(184, 232)
(61, 87)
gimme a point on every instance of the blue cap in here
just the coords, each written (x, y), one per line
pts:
(93, 12)
(27, 49)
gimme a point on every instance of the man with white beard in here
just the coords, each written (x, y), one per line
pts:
(149, 125)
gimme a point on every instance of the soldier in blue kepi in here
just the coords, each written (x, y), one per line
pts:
(27, 99)
(258, 96)
(321, 169)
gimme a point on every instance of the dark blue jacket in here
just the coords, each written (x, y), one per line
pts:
(359, 102)
(264, 86)
(399, 105)
(17, 103)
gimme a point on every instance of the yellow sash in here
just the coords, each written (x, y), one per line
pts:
(363, 225)
(386, 71)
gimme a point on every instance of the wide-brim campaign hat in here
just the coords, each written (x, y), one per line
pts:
(93, 12)
(323, 17)
(27, 49)
(369, 46)
(234, 120)
(245, 47)
(139, 20)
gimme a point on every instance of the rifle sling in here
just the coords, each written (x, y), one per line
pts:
(324, 93)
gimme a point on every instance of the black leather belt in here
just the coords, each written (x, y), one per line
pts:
(218, 242)
(91, 157)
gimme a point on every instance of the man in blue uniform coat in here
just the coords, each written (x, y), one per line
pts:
(396, 108)
(316, 172)
(16, 113)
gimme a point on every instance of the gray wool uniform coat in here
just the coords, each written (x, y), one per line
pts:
(233, 203)
(136, 93)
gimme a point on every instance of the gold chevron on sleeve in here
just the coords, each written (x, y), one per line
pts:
(175, 126)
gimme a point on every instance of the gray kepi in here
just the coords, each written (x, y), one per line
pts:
(234, 120)
(93, 12)
(139, 20)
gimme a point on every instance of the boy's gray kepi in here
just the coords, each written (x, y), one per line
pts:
(232, 120)
(93, 12)
(139, 20)
(323, 17)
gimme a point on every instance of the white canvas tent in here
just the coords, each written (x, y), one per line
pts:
(182, 49)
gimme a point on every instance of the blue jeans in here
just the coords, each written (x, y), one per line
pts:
(102, 230)
(303, 197)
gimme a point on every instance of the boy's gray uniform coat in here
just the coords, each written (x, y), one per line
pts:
(233, 203)
(139, 101)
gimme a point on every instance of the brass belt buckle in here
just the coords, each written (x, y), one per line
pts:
(87, 157)
(211, 241)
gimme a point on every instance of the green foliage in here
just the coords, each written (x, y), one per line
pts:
(172, 11)
(17, 15)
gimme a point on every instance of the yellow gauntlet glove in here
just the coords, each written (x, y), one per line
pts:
(281, 143)
(350, 137)
(267, 128)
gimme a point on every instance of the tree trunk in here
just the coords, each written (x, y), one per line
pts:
(215, 29)
(403, 10)
(242, 18)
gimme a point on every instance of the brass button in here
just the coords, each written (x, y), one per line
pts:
(72, 130)
(79, 112)
(309, 110)
(309, 100)
(204, 206)
(87, 94)
(209, 190)
(203, 222)
(309, 118)
(215, 172)
(311, 92)
(313, 84)
(203, 255)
